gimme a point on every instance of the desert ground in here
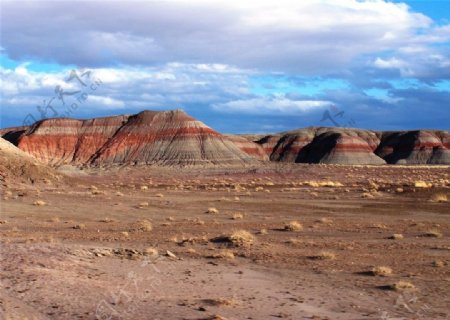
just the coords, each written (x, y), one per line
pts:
(285, 241)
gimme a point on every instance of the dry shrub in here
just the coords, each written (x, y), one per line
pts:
(381, 271)
(263, 231)
(143, 204)
(199, 222)
(150, 251)
(325, 221)
(422, 184)
(97, 192)
(439, 197)
(433, 234)
(237, 216)
(220, 302)
(367, 195)
(438, 263)
(223, 254)
(39, 203)
(144, 225)
(293, 226)
(402, 285)
(324, 255)
(396, 236)
(212, 211)
(79, 226)
(241, 238)
(294, 241)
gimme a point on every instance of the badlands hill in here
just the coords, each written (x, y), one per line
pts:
(149, 137)
(355, 146)
(18, 166)
(175, 138)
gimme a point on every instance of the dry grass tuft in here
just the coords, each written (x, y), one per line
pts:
(402, 285)
(422, 184)
(144, 188)
(325, 221)
(237, 216)
(125, 234)
(396, 236)
(39, 203)
(143, 204)
(263, 231)
(54, 219)
(159, 195)
(79, 226)
(324, 255)
(144, 225)
(439, 197)
(223, 254)
(294, 241)
(150, 251)
(212, 211)
(433, 234)
(97, 192)
(220, 302)
(438, 263)
(106, 220)
(367, 195)
(293, 226)
(241, 238)
(381, 271)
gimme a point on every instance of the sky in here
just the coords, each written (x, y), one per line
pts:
(239, 66)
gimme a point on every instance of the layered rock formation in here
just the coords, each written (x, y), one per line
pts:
(249, 147)
(175, 138)
(323, 145)
(169, 138)
(354, 146)
(415, 147)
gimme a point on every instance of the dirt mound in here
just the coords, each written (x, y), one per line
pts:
(16, 165)
(150, 137)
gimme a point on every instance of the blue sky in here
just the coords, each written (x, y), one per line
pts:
(240, 67)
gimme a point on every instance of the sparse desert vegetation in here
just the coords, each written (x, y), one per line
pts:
(306, 237)
(39, 203)
(381, 271)
(402, 285)
(439, 197)
(324, 255)
(293, 226)
(212, 211)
